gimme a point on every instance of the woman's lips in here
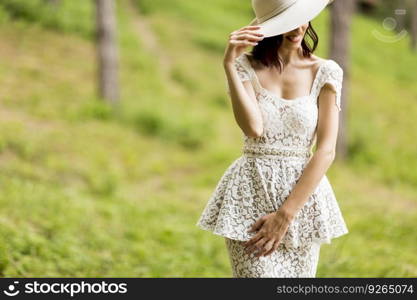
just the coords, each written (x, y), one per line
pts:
(294, 38)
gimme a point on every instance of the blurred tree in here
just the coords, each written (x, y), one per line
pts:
(341, 18)
(107, 50)
(400, 10)
(368, 6)
(401, 14)
(53, 2)
(414, 25)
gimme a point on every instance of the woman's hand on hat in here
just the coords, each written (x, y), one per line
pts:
(271, 229)
(239, 40)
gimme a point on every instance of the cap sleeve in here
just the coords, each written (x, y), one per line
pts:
(242, 68)
(333, 74)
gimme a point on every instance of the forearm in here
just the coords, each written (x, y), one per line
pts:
(245, 109)
(312, 174)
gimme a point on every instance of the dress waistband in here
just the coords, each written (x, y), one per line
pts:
(261, 151)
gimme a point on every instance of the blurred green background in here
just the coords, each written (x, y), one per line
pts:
(89, 191)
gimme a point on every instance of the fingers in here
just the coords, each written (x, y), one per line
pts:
(247, 40)
(251, 28)
(240, 32)
(258, 224)
(249, 245)
(257, 247)
(243, 43)
(268, 246)
(253, 240)
(247, 28)
(268, 233)
(246, 36)
(275, 245)
(273, 248)
(265, 248)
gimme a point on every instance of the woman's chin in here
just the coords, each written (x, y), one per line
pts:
(293, 40)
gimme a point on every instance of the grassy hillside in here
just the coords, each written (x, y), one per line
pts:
(86, 191)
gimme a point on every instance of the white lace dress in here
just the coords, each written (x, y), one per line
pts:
(258, 182)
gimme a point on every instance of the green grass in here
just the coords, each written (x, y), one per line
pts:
(69, 17)
(86, 191)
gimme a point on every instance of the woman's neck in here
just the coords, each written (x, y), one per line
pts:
(290, 54)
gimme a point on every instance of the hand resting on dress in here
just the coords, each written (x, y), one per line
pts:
(271, 229)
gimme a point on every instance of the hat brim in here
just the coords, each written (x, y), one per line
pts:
(301, 12)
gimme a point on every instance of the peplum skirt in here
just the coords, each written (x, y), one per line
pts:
(255, 185)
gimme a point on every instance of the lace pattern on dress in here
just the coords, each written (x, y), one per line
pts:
(259, 181)
(331, 73)
(282, 263)
(242, 69)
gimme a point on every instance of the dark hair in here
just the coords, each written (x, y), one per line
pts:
(266, 52)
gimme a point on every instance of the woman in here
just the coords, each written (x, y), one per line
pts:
(274, 204)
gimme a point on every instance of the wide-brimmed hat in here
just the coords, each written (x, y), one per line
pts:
(280, 16)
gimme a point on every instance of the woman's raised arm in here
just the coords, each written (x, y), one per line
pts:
(245, 107)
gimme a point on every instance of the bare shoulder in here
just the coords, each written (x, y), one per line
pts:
(314, 62)
(330, 67)
(317, 61)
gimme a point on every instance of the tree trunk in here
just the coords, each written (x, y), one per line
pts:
(340, 39)
(107, 51)
(367, 6)
(414, 25)
(401, 15)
